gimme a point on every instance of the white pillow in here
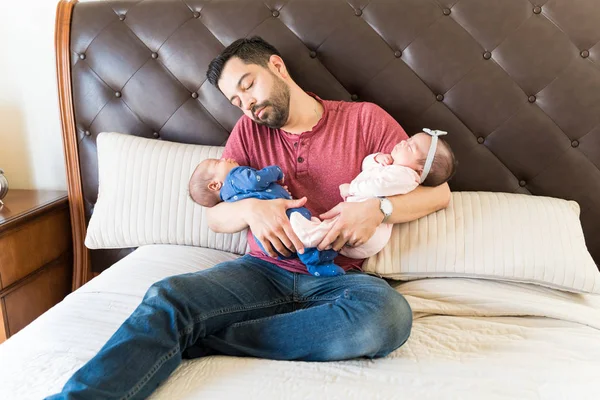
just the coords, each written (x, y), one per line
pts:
(502, 236)
(143, 196)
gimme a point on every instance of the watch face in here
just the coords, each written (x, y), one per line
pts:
(386, 206)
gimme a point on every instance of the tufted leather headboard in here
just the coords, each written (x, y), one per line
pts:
(515, 82)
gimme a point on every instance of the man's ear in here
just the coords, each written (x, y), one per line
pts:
(215, 186)
(278, 65)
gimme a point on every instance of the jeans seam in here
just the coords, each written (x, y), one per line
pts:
(295, 289)
(242, 323)
(224, 311)
(345, 294)
(140, 384)
(250, 321)
(317, 298)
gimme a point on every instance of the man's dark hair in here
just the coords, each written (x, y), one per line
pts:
(252, 50)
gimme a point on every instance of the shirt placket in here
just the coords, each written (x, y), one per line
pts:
(301, 147)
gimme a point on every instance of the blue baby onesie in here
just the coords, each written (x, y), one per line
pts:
(246, 182)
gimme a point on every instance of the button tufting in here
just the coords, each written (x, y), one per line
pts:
(537, 9)
(531, 99)
(154, 55)
(446, 11)
(480, 139)
(487, 55)
(87, 133)
(358, 12)
(397, 54)
(194, 95)
(300, 159)
(122, 17)
(82, 56)
(354, 97)
(584, 54)
(295, 144)
(275, 13)
(118, 94)
(312, 54)
(574, 143)
(439, 97)
(196, 14)
(156, 135)
(522, 183)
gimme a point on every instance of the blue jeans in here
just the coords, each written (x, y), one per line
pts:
(245, 307)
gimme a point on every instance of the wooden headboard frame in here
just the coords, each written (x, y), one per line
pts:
(81, 255)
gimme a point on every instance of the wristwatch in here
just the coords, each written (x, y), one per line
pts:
(386, 207)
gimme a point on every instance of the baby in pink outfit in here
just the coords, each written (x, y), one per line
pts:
(423, 159)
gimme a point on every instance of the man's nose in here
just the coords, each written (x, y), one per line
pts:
(249, 103)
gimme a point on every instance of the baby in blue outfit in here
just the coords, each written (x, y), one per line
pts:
(215, 180)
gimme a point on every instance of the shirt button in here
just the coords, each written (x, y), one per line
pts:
(300, 159)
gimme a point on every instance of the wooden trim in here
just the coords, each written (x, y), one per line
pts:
(3, 321)
(81, 255)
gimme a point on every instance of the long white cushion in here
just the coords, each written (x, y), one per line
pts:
(143, 196)
(500, 236)
(143, 199)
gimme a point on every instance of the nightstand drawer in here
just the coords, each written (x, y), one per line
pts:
(37, 293)
(29, 246)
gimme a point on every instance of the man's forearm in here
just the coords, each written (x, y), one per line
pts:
(420, 202)
(228, 217)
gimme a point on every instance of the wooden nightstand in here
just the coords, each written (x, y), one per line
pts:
(35, 256)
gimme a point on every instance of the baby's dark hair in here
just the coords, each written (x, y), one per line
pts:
(198, 186)
(443, 167)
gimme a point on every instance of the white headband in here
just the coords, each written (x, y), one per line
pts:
(432, 148)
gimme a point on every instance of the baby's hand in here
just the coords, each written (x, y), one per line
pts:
(344, 189)
(384, 159)
(287, 190)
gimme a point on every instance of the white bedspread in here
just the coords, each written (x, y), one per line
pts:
(471, 339)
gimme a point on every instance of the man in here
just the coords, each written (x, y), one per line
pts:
(259, 305)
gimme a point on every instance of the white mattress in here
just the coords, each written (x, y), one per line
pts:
(471, 339)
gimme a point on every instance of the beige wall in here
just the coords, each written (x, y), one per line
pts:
(31, 153)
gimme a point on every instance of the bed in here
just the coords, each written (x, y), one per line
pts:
(517, 84)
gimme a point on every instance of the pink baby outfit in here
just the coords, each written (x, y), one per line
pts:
(375, 180)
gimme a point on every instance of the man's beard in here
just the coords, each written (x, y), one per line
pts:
(279, 106)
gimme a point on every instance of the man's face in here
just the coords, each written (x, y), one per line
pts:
(257, 91)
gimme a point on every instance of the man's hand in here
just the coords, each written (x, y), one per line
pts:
(287, 190)
(384, 159)
(355, 225)
(270, 225)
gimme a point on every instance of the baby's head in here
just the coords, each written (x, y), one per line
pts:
(207, 180)
(412, 153)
